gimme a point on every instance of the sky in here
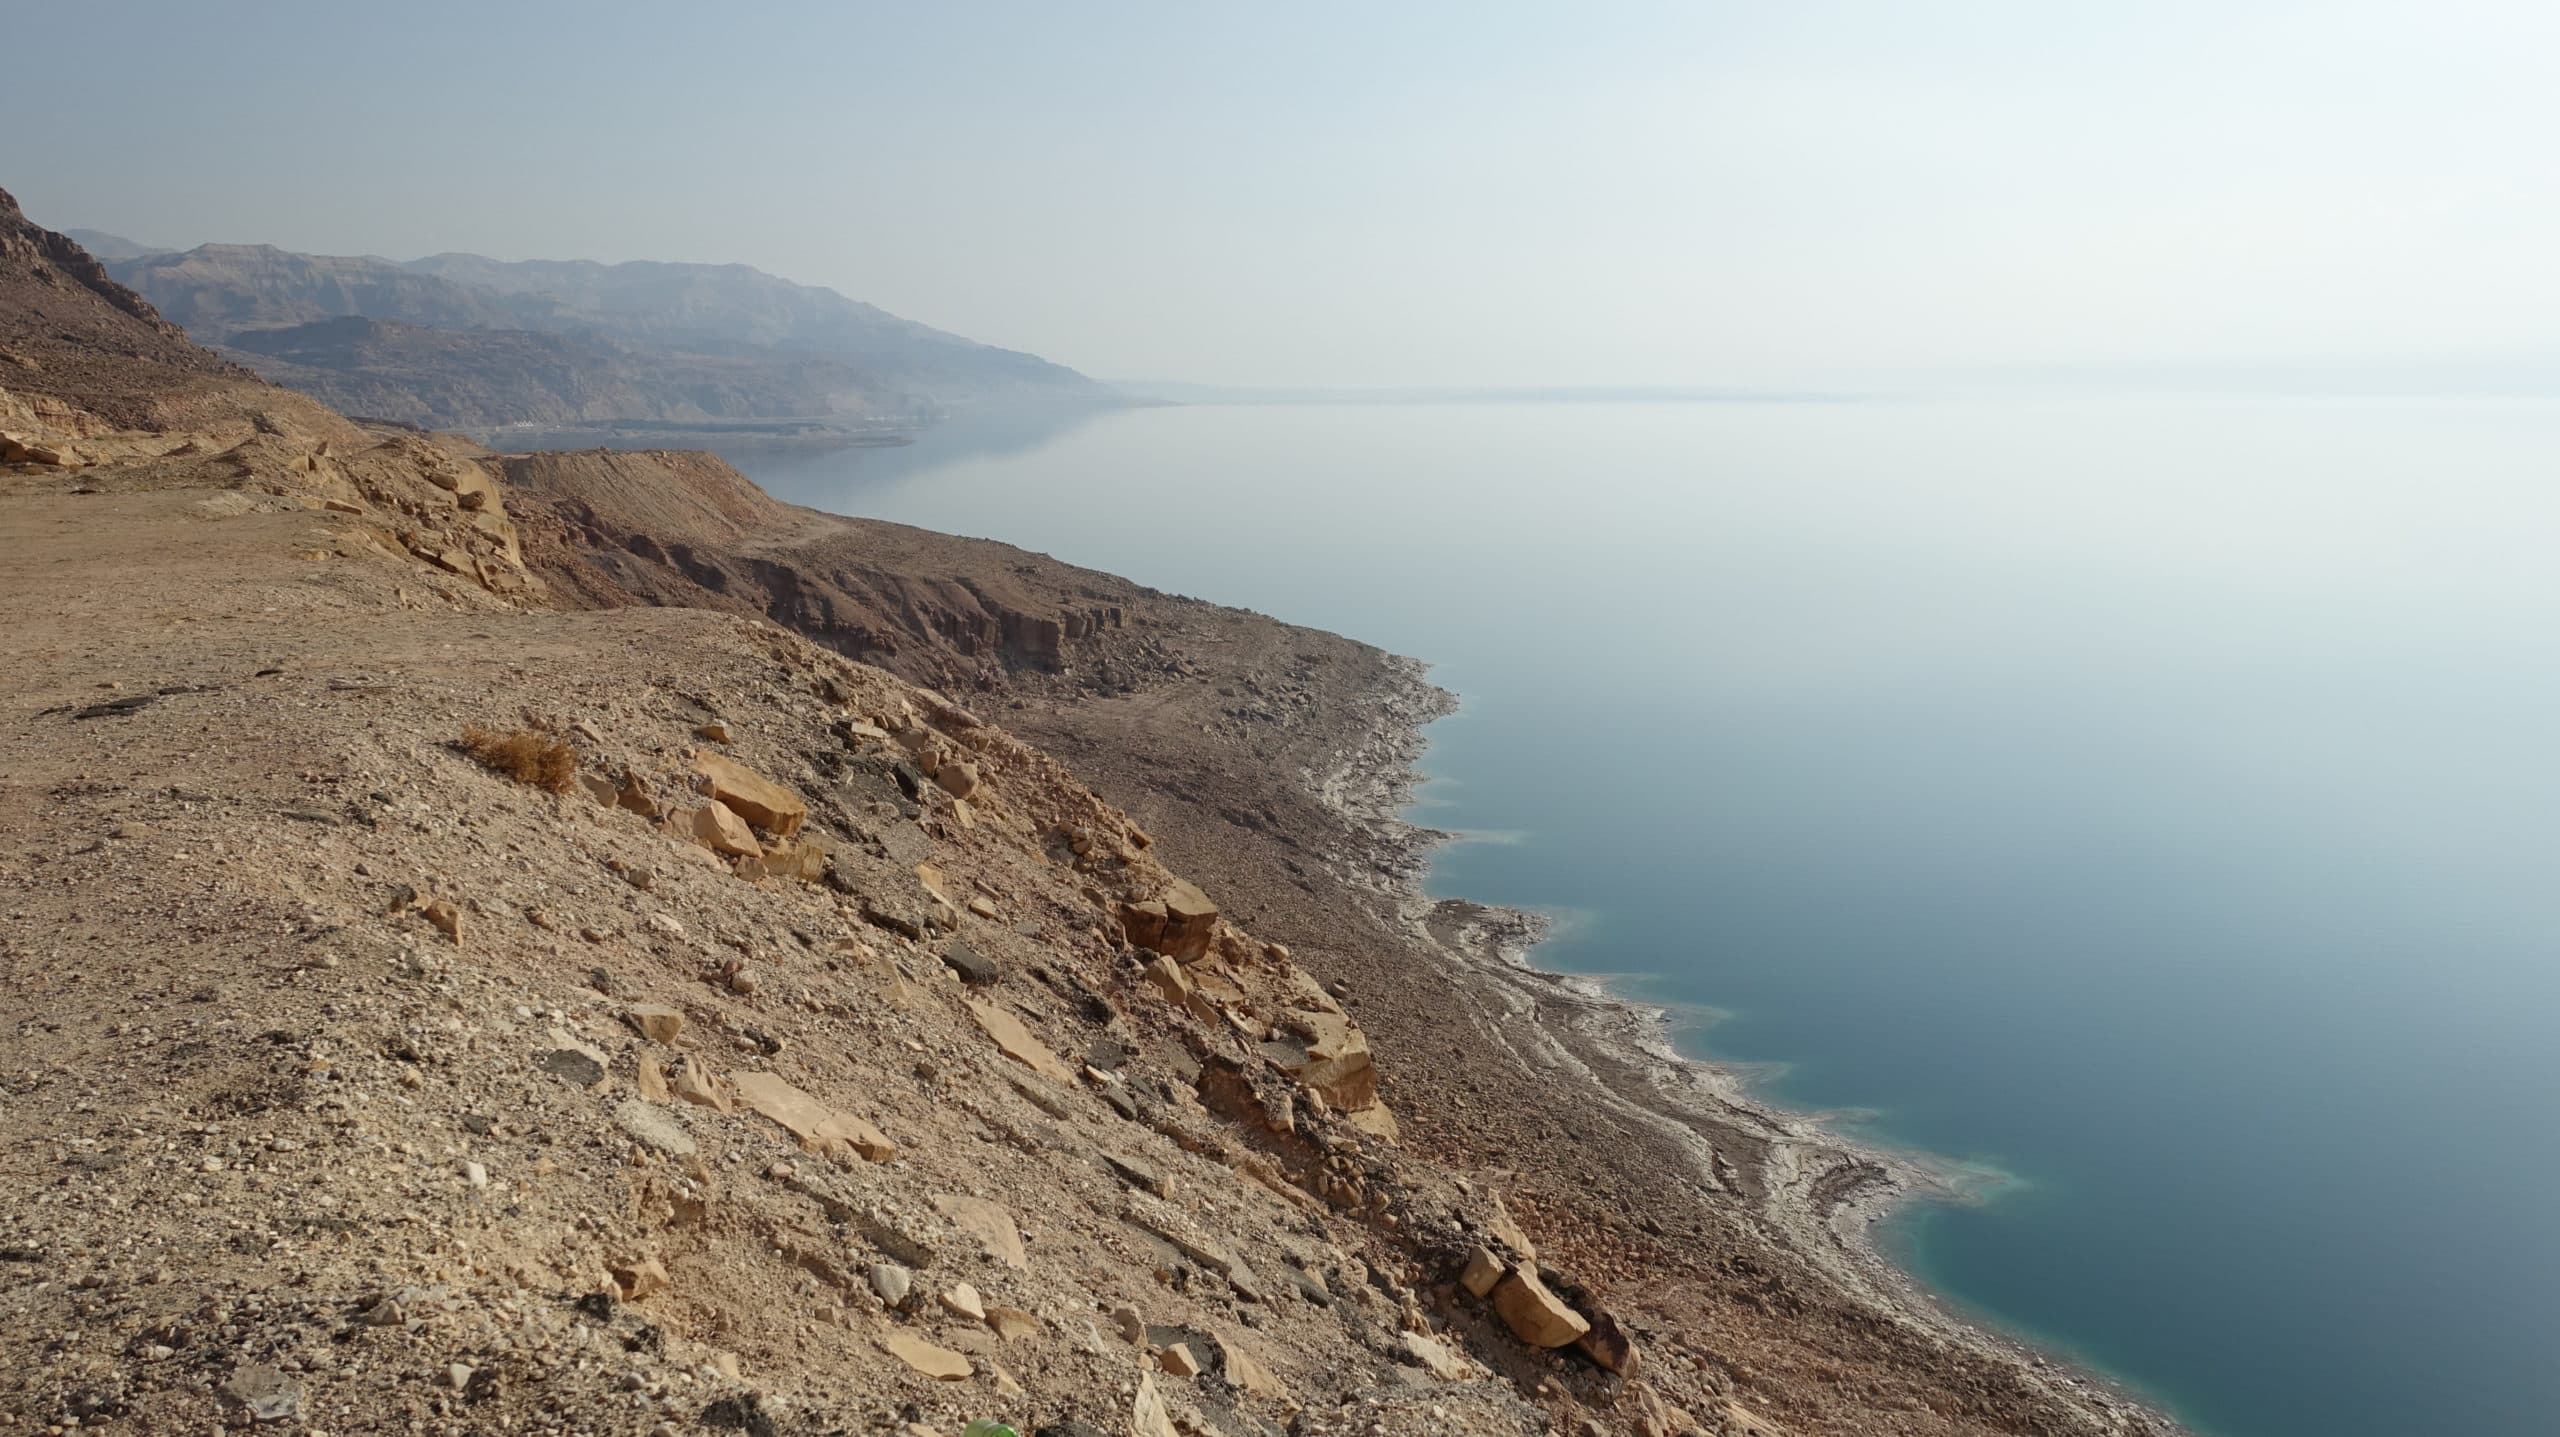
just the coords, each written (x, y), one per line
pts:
(1466, 194)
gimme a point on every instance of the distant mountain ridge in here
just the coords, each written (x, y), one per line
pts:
(465, 342)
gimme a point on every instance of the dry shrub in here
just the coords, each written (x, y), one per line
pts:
(525, 755)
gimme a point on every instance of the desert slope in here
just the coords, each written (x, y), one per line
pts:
(802, 1049)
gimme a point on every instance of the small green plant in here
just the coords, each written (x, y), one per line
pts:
(985, 1428)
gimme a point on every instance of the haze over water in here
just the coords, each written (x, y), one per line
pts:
(2151, 806)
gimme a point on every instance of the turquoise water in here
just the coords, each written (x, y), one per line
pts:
(2153, 806)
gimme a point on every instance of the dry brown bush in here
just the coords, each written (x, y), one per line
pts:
(523, 754)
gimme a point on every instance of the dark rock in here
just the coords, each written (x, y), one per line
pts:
(1108, 1054)
(975, 968)
(740, 1414)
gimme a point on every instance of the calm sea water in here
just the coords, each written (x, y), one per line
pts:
(2153, 807)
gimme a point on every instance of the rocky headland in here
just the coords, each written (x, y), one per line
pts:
(565, 942)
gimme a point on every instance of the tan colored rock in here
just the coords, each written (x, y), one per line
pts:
(1189, 923)
(653, 1079)
(962, 1300)
(634, 795)
(715, 731)
(639, 1277)
(1534, 1315)
(819, 1128)
(598, 787)
(1012, 1323)
(1178, 1360)
(1507, 1228)
(934, 883)
(1143, 921)
(939, 1363)
(700, 1086)
(802, 860)
(982, 908)
(1434, 1357)
(1482, 1272)
(446, 918)
(1166, 977)
(656, 1021)
(990, 1223)
(1148, 1416)
(757, 799)
(1247, 1372)
(1016, 1042)
(958, 777)
(717, 827)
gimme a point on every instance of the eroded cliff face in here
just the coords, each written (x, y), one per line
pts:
(664, 527)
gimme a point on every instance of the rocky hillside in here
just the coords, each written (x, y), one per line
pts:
(470, 344)
(482, 380)
(482, 957)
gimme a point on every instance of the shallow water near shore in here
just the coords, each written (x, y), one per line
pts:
(2152, 804)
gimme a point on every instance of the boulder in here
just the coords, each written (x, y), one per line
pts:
(958, 777)
(1178, 1361)
(653, 1128)
(1534, 1315)
(1483, 1270)
(698, 1085)
(757, 799)
(1148, 1416)
(719, 828)
(1247, 1373)
(891, 1283)
(1012, 1323)
(1190, 920)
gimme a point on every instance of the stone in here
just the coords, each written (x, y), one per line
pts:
(639, 1277)
(1148, 1416)
(990, 1223)
(700, 1086)
(1433, 1356)
(652, 1079)
(578, 1065)
(1333, 1062)
(1190, 921)
(1130, 1326)
(958, 777)
(1482, 1272)
(975, 968)
(653, 1128)
(633, 794)
(655, 1021)
(1534, 1315)
(743, 982)
(446, 918)
(1166, 977)
(716, 732)
(1247, 1373)
(1012, 1323)
(803, 860)
(1138, 1174)
(819, 1128)
(264, 1393)
(1178, 1360)
(475, 1175)
(757, 799)
(598, 787)
(1016, 1042)
(940, 1363)
(962, 1300)
(982, 908)
(891, 1283)
(719, 828)
(1507, 1230)
(1609, 1345)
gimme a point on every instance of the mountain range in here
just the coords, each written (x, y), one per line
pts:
(467, 343)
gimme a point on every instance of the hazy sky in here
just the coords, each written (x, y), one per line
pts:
(1479, 193)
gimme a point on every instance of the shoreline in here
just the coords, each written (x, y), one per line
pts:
(1832, 1190)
